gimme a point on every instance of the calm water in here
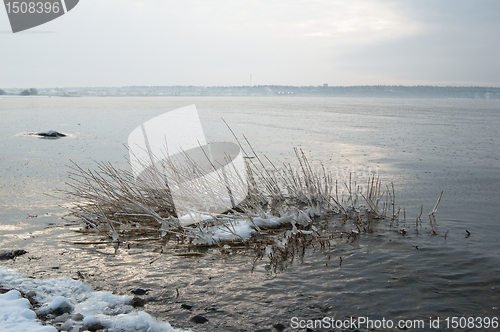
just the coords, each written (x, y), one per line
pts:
(423, 146)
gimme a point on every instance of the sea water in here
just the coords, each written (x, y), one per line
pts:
(421, 146)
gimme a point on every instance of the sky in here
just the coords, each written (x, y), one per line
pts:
(275, 42)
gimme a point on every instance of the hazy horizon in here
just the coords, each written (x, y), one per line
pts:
(111, 43)
(247, 86)
(242, 86)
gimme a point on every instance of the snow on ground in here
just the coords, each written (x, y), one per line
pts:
(70, 303)
(16, 316)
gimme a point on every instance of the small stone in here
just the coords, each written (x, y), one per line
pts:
(139, 291)
(198, 319)
(279, 327)
(31, 297)
(138, 302)
(60, 306)
(186, 306)
(77, 317)
(62, 318)
(6, 254)
(19, 252)
(9, 254)
(212, 309)
(67, 325)
(94, 326)
(91, 323)
(50, 133)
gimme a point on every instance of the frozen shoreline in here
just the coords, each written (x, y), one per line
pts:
(69, 304)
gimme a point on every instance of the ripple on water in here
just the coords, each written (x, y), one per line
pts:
(423, 146)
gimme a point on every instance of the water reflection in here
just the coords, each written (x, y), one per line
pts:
(385, 274)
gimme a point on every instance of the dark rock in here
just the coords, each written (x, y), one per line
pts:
(60, 306)
(263, 330)
(19, 252)
(5, 254)
(198, 319)
(94, 326)
(42, 313)
(62, 311)
(11, 254)
(77, 317)
(279, 327)
(139, 291)
(51, 133)
(31, 297)
(3, 290)
(67, 325)
(186, 306)
(138, 302)
(62, 318)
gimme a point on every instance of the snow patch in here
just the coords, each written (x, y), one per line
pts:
(16, 316)
(233, 229)
(61, 296)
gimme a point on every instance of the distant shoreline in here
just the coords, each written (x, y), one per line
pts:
(374, 91)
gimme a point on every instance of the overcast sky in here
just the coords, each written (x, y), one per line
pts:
(285, 42)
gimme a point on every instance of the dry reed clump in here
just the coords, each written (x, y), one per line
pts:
(286, 209)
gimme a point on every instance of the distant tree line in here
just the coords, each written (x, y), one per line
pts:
(30, 92)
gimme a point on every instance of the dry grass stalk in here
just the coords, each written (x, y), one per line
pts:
(304, 204)
(432, 216)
